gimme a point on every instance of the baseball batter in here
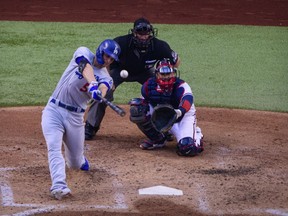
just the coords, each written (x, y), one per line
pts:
(85, 77)
(167, 88)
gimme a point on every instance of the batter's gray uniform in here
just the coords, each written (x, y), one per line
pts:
(62, 118)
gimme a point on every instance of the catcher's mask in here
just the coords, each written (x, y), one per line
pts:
(165, 75)
(143, 32)
(109, 47)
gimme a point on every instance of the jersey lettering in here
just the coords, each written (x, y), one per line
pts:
(85, 87)
(149, 64)
(80, 76)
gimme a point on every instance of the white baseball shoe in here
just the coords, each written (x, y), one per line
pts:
(61, 193)
(199, 136)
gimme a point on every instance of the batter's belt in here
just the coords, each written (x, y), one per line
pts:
(68, 107)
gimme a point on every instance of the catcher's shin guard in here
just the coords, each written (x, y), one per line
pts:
(148, 129)
(138, 115)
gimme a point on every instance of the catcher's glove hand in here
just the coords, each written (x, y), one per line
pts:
(163, 117)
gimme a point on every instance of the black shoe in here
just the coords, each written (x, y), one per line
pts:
(169, 137)
(90, 131)
(201, 147)
(150, 144)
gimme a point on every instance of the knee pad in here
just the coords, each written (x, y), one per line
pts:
(138, 115)
(187, 147)
(138, 110)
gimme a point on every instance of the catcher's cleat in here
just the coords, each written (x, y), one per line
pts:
(188, 147)
(90, 131)
(201, 147)
(149, 144)
(61, 193)
(169, 137)
(200, 136)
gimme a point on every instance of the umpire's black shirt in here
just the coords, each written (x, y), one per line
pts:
(140, 66)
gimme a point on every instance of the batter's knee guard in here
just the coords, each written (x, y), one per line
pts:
(187, 147)
(138, 115)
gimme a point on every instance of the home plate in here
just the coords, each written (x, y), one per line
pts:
(160, 190)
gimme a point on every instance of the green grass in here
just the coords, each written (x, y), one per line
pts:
(227, 66)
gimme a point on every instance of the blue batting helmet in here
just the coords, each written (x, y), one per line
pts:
(109, 47)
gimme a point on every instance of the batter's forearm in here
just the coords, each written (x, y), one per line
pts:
(103, 88)
(88, 73)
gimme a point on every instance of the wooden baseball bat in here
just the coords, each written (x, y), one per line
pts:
(113, 106)
(89, 104)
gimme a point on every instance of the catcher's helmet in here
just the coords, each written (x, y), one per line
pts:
(142, 26)
(165, 75)
(109, 47)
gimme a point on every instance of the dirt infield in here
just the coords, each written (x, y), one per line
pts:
(243, 170)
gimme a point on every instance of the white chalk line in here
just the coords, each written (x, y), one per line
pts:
(202, 198)
(283, 212)
(32, 212)
(119, 197)
(8, 199)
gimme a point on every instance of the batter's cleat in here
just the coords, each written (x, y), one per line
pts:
(85, 166)
(149, 144)
(90, 131)
(61, 193)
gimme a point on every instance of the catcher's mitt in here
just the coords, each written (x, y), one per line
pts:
(163, 117)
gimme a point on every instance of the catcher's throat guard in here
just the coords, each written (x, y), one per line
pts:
(163, 117)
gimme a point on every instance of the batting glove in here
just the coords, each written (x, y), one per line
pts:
(94, 91)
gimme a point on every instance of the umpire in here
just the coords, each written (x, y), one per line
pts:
(140, 50)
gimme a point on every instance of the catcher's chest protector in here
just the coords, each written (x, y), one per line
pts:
(156, 96)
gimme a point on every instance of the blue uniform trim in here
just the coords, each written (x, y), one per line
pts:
(70, 108)
(81, 58)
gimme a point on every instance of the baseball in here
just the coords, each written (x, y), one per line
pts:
(124, 73)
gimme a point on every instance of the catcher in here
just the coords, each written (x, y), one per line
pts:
(167, 106)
